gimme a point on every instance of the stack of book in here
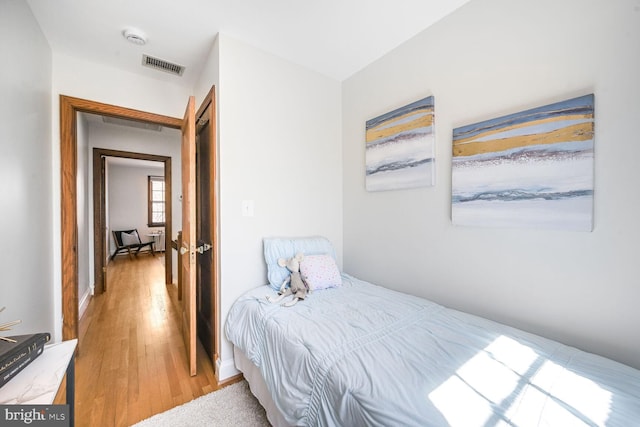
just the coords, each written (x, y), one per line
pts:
(15, 356)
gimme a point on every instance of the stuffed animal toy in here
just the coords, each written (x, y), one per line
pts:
(297, 286)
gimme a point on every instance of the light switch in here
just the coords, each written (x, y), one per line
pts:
(247, 208)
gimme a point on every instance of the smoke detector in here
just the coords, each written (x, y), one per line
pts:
(135, 36)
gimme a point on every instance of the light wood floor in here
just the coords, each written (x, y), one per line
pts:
(132, 362)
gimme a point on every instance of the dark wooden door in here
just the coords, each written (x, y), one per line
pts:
(206, 225)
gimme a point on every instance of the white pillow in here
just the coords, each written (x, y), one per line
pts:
(282, 247)
(129, 238)
(320, 272)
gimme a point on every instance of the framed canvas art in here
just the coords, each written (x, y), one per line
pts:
(530, 169)
(400, 148)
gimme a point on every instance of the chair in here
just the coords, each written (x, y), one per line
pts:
(126, 240)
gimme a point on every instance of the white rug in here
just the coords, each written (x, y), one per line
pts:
(233, 405)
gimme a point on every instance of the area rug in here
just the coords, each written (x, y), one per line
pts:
(233, 405)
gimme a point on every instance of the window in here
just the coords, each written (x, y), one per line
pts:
(156, 201)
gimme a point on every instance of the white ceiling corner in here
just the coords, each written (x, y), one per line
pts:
(336, 38)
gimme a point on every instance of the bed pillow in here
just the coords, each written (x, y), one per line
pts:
(278, 247)
(320, 272)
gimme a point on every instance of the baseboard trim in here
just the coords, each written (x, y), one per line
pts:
(84, 303)
(226, 370)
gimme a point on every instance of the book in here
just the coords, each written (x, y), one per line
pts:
(22, 363)
(15, 354)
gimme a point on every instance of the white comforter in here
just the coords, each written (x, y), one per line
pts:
(364, 355)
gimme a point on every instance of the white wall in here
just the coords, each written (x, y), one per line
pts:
(98, 82)
(83, 183)
(107, 218)
(279, 145)
(128, 196)
(487, 59)
(210, 76)
(26, 287)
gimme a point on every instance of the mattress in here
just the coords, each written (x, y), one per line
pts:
(361, 354)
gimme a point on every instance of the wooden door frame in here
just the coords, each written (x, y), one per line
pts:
(69, 108)
(100, 238)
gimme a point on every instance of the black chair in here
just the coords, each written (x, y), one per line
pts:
(126, 240)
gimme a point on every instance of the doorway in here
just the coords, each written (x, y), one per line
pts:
(69, 109)
(101, 238)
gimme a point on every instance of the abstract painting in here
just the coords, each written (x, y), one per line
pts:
(400, 148)
(531, 169)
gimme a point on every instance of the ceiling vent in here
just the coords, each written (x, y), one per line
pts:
(162, 65)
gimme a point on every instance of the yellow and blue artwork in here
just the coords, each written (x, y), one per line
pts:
(531, 169)
(400, 148)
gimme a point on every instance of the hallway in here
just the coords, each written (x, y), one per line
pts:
(132, 362)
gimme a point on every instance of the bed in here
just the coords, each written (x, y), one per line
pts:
(357, 354)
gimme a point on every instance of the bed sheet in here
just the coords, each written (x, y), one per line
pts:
(362, 354)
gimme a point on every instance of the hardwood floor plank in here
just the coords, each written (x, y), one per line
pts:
(132, 362)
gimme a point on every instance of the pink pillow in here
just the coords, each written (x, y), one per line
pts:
(320, 271)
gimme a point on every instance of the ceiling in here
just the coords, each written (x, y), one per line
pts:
(336, 38)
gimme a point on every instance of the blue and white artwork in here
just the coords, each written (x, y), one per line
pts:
(531, 169)
(400, 148)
